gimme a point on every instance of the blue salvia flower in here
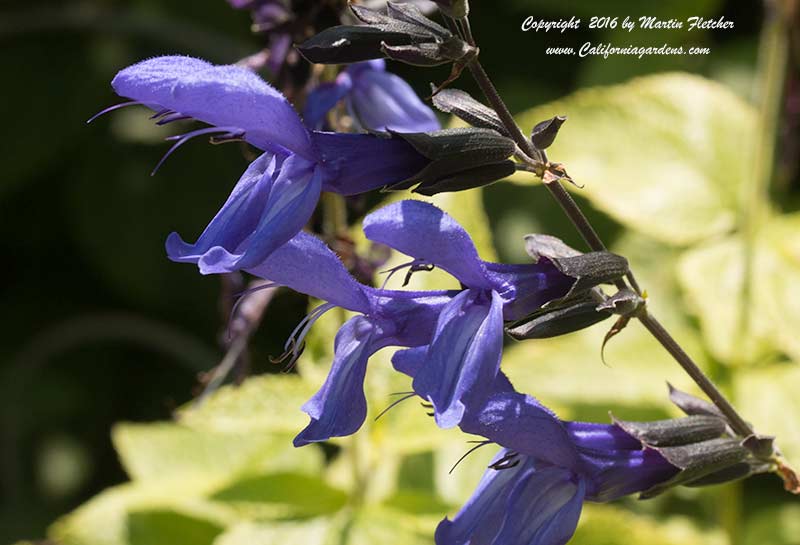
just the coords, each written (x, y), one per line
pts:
(464, 328)
(385, 318)
(376, 99)
(464, 355)
(277, 194)
(533, 491)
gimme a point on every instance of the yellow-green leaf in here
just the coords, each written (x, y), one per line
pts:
(265, 404)
(767, 396)
(170, 452)
(664, 154)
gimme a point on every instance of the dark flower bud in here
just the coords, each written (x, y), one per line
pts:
(676, 431)
(702, 446)
(589, 270)
(349, 44)
(430, 54)
(761, 446)
(459, 159)
(584, 305)
(462, 105)
(592, 269)
(544, 133)
(568, 316)
(402, 33)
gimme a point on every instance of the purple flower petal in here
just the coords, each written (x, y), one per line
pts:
(425, 232)
(520, 423)
(339, 408)
(323, 98)
(237, 218)
(526, 287)
(598, 437)
(293, 194)
(481, 518)
(306, 265)
(225, 96)
(382, 101)
(614, 474)
(410, 360)
(358, 163)
(464, 357)
(617, 464)
(543, 508)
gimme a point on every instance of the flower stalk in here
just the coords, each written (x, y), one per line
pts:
(537, 162)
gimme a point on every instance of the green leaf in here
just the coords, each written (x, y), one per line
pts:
(160, 526)
(417, 503)
(713, 277)
(767, 396)
(265, 404)
(778, 525)
(283, 495)
(168, 452)
(664, 154)
(103, 520)
(778, 282)
(607, 525)
(374, 525)
(307, 532)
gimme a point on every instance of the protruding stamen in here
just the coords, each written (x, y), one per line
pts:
(506, 462)
(415, 265)
(170, 117)
(226, 138)
(112, 108)
(161, 113)
(295, 344)
(241, 296)
(470, 451)
(183, 138)
(408, 395)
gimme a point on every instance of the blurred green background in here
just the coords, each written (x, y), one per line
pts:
(694, 178)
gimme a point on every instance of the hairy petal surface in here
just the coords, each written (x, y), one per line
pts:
(425, 232)
(307, 265)
(464, 356)
(225, 96)
(340, 407)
